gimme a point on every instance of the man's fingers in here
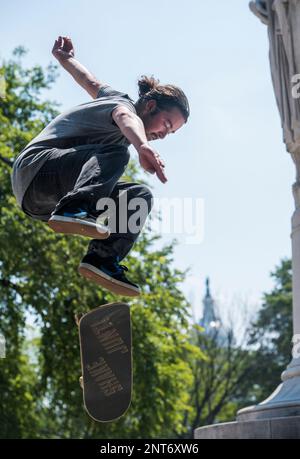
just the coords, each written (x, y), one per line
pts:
(160, 172)
(159, 160)
(57, 43)
(152, 163)
(162, 177)
(159, 169)
(55, 46)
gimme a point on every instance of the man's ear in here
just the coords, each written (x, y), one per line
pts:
(151, 106)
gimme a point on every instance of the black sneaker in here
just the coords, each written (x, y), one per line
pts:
(108, 273)
(78, 221)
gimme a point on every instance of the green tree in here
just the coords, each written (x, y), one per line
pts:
(222, 381)
(40, 394)
(272, 332)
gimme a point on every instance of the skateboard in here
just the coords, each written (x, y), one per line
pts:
(106, 361)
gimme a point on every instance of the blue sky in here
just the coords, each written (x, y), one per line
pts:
(230, 153)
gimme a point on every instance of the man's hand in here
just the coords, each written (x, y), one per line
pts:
(63, 49)
(151, 161)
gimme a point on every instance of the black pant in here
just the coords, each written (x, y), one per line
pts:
(80, 176)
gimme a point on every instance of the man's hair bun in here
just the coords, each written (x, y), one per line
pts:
(147, 84)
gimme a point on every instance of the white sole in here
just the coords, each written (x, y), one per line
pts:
(115, 286)
(70, 225)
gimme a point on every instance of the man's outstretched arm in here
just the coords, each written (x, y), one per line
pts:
(132, 128)
(63, 51)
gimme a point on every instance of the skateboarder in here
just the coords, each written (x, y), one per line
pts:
(79, 157)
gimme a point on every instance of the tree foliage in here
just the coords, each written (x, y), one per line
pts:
(272, 331)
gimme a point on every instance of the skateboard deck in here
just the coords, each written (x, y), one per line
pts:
(106, 361)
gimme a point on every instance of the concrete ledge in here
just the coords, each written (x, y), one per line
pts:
(275, 428)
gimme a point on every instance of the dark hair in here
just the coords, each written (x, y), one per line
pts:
(166, 96)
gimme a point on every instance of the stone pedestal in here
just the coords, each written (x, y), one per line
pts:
(275, 428)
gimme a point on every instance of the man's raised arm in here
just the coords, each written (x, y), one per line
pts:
(63, 51)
